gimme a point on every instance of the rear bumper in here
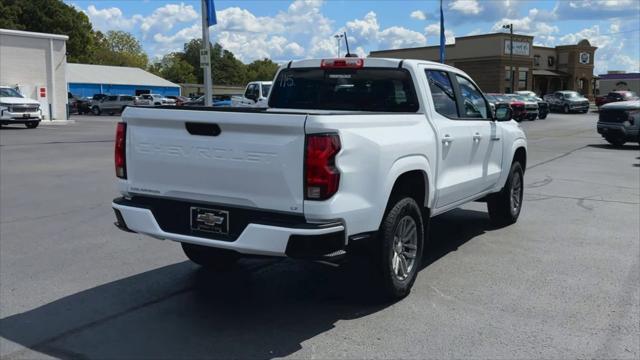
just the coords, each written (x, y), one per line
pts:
(300, 241)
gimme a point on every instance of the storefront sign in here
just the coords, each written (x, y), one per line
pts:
(519, 47)
(584, 57)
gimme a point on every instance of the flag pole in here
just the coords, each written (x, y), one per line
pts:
(205, 57)
(442, 35)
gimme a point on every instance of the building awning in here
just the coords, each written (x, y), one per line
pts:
(113, 75)
(547, 73)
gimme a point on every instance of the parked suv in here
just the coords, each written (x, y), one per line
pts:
(112, 104)
(567, 102)
(17, 109)
(153, 100)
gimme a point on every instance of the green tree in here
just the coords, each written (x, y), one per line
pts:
(175, 68)
(261, 70)
(51, 16)
(119, 48)
(192, 56)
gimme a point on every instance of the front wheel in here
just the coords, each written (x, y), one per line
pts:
(565, 109)
(96, 110)
(210, 258)
(32, 124)
(504, 207)
(402, 238)
(542, 116)
(615, 141)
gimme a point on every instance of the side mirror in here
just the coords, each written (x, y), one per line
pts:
(503, 113)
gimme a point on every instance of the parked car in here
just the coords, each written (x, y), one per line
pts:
(153, 100)
(216, 100)
(530, 106)
(619, 122)
(17, 109)
(517, 106)
(255, 95)
(112, 104)
(543, 106)
(179, 100)
(350, 153)
(615, 96)
(567, 102)
(77, 105)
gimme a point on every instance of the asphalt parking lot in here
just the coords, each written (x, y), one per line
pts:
(564, 282)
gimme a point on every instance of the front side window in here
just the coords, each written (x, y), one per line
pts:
(474, 105)
(444, 98)
(111, 98)
(363, 89)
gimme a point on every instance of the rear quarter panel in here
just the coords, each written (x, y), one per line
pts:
(376, 150)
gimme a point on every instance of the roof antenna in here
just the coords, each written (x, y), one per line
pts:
(346, 41)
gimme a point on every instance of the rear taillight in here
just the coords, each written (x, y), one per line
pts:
(322, 178)
(353, 63)
(120, 150)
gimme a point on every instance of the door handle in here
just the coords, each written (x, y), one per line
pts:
(477, 137)
(446, 139)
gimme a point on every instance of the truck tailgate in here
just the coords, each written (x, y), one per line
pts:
(255, 161)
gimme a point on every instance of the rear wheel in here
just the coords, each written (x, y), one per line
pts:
(32, 124)
(210, 258)
(542, 116)
(401, 241)
(565, 109)
(504, 207)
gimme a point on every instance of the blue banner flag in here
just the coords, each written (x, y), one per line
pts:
(443, 39)
(211, 13)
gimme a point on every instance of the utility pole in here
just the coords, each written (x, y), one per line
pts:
(338, 37)
(205, 57)
(511, 74)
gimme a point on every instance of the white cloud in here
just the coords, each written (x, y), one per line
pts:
(397, 37)
(434, 30)
(110, 18)
(418, 15)
(166, 17)
(467, 7)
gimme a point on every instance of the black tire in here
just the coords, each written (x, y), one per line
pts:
(210, 258)
(96, 110)
(542, 117)
(565, 109)
(157, 104)
(32, 124)
(503, 207)
(403, 216)
(615, 141)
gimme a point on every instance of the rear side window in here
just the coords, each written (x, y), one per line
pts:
(444, 98)
(365, 89)
(111, 98)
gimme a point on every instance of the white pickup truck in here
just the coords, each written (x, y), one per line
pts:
(255, 95)
(349, 152)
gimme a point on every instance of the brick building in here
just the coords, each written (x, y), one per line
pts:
(486, 58)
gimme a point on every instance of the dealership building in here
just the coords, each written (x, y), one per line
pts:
(486, 58)
(35, 64)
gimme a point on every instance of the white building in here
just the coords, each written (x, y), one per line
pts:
(35, 63)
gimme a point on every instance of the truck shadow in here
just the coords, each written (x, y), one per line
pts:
(267, 308)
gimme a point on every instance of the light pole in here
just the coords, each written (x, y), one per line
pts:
(511, 74)
(338, 37)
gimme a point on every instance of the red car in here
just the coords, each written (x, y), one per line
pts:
(615, 96)
(517, 106)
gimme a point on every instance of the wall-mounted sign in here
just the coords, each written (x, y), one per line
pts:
(584, 57)
(519, 47)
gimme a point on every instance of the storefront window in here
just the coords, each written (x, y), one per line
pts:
(536, 60)
(522, 79)
(507, 74)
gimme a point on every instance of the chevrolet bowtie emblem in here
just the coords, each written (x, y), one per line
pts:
(210, 219)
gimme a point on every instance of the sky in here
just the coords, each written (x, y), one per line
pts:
(284, 30)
